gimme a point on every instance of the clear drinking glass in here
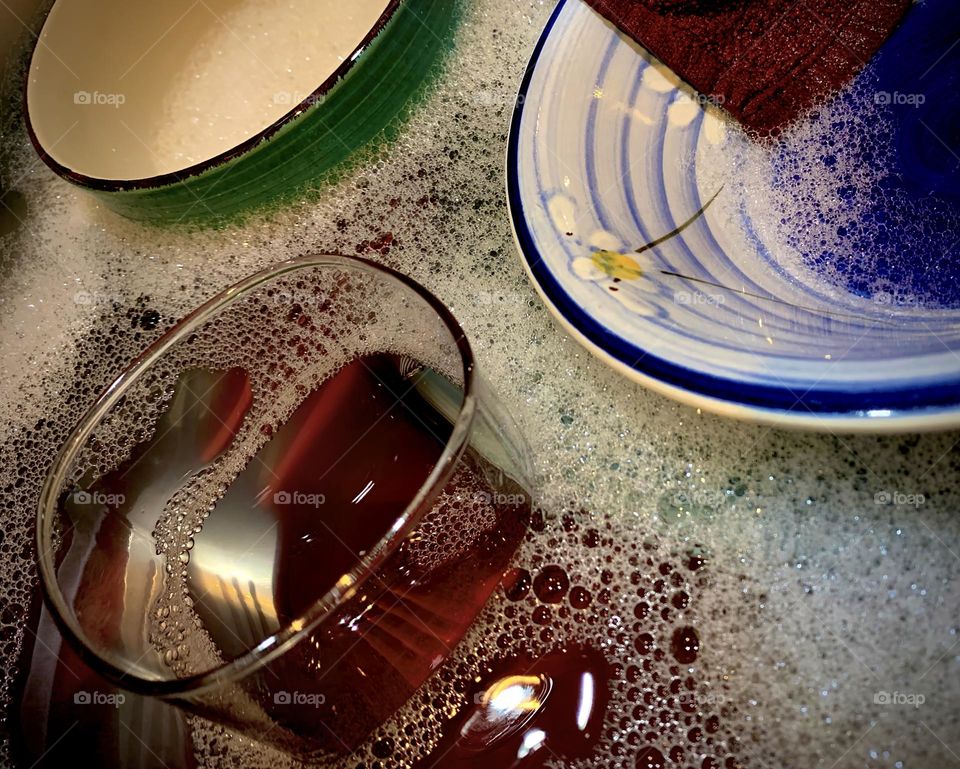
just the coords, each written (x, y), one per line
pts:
(289, 509)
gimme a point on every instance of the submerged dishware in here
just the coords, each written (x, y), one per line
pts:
(806, 283)
(286, 513)
(195, 112)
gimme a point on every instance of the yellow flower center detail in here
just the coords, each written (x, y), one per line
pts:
(617, 265)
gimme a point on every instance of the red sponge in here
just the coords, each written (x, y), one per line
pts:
(765, 61)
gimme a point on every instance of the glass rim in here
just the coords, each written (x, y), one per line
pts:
(292, 632)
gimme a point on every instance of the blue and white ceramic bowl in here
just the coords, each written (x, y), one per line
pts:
(659, 264)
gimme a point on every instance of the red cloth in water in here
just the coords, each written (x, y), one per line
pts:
(765, 61)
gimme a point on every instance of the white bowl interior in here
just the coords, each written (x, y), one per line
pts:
(129, 89)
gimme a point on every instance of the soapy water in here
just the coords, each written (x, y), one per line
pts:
(864, 193)
(829, 576)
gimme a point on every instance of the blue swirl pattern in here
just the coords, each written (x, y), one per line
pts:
(603, 156)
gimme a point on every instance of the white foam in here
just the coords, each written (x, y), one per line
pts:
(811, 194)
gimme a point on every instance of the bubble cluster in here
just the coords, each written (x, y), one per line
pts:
(460, 515)
(827, 201)
(807, 590)
(664, 700)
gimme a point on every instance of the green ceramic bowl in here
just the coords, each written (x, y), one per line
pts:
(187, 111)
